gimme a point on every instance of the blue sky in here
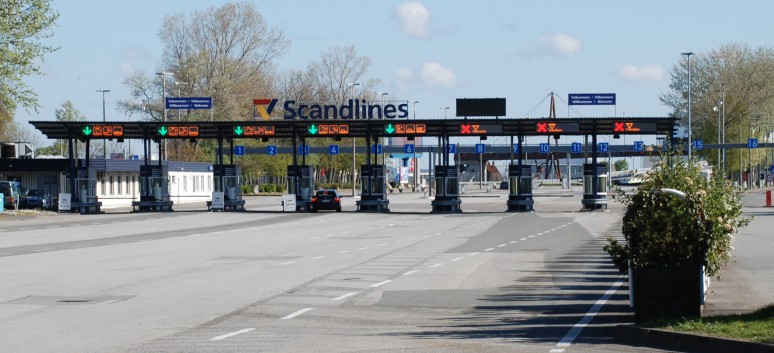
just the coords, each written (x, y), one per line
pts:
(430, 51)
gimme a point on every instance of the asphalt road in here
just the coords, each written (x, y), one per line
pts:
(265, 281)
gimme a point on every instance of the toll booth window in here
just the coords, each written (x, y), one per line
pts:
(513, 185)
(602, 185)
(525, 184)
(587, 187)
(378, 186)
(452, 186)
(364, 186)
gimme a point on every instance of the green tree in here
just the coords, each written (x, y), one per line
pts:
(24, 24)
(67, 112)
(621, 164)
(735, 77)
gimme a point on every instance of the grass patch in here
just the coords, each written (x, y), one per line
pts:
(757, 326)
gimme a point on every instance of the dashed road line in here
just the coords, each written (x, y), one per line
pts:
(457, 259)
(380, 283)
(474, 253)
(410, 272)
(232, 334)
(364, 248)
(317, 257)
(490, 249)
(343, 252)
(513, 241)
(382, 244)
(302, 311)
(345, 296)
(522, 239)
(436, 265)
(501, 245)
(288, 263)
(571, 335)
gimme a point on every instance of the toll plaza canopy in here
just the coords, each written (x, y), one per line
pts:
(356, 128)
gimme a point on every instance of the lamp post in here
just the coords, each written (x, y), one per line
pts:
(416, 164)
(385, 140)
(163, 74)
(445, 109)
(354, 170)
(104, 142)
(690, 143)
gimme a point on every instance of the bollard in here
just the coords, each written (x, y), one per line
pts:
(768, 198)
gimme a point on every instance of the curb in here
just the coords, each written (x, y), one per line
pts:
(657, 338)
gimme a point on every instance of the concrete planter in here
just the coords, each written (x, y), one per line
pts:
(667, 292)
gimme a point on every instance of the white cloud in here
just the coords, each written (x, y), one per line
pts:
(413, 17)
(434, 74)
(561, 44)
(644, 73)
(403, 76)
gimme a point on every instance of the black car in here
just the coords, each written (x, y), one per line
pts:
(33, 198)
(326, 199)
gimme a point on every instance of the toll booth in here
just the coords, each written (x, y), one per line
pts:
(373, 193)
(520, 188)
(154, 189)
(301, 184)
(228, 180)
(84, 197)
(594, 196)
(447, 190)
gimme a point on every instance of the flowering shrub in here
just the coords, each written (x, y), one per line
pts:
(664, 230)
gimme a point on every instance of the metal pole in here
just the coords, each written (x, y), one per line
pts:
(690, 143)
(384, 139)
(354, 170)
(104, 142)
(416, 162)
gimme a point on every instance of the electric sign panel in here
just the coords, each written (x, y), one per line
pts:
(328, 129)
(406, 129)
(178, 131)
(551, 127)
(480, 129)
(633, 127)
(103, 130)
(254, 130)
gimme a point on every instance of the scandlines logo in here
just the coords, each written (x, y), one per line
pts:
(263, 107)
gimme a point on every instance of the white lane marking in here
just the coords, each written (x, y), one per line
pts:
(513, 242)
(382, 244)
(556, 350)
(329, 235)
(553, 229)
(380, 283)
(474, 253)
(288, 263)
(391, 224)
(490, 249)
(50, 227)
(363, 248)
(304, 310)
(194, 235)
(525, 238)
(41, 250)
(533, 235)
(457, 259)
(439, 233)
(399, 241)
(317, 257)
(345, 296)
(410, 272)
(232, 334)
(501, 245)
(571, 335)
(436, 265)
(343, 252)
(541, 233)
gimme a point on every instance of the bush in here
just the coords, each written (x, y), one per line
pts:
(665, 230)
(246, 189)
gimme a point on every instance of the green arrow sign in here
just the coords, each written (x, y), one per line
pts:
(238, 130)
(87, 130)
(390, 129)
(313, 129)
(163, 131)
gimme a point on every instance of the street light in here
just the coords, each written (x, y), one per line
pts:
(690, 144)
(104, 142)
(445, 109)
(163, 74)
(353, 140)
(415, 109)
(385, 140)
(416, 163)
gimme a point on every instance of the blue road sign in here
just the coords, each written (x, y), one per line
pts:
(698, 145)
(545, 148)
(752, 143)
(333, 149)
(604, 147)
(480, 148)
(239, 150)
(376, 149)
(271, 150)
(515, 148)
(408, 148)
(591, 99)
(639, 146)
(303, 149)
(189, 102)
(453, 148)
(576, 147)
(771, 169)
